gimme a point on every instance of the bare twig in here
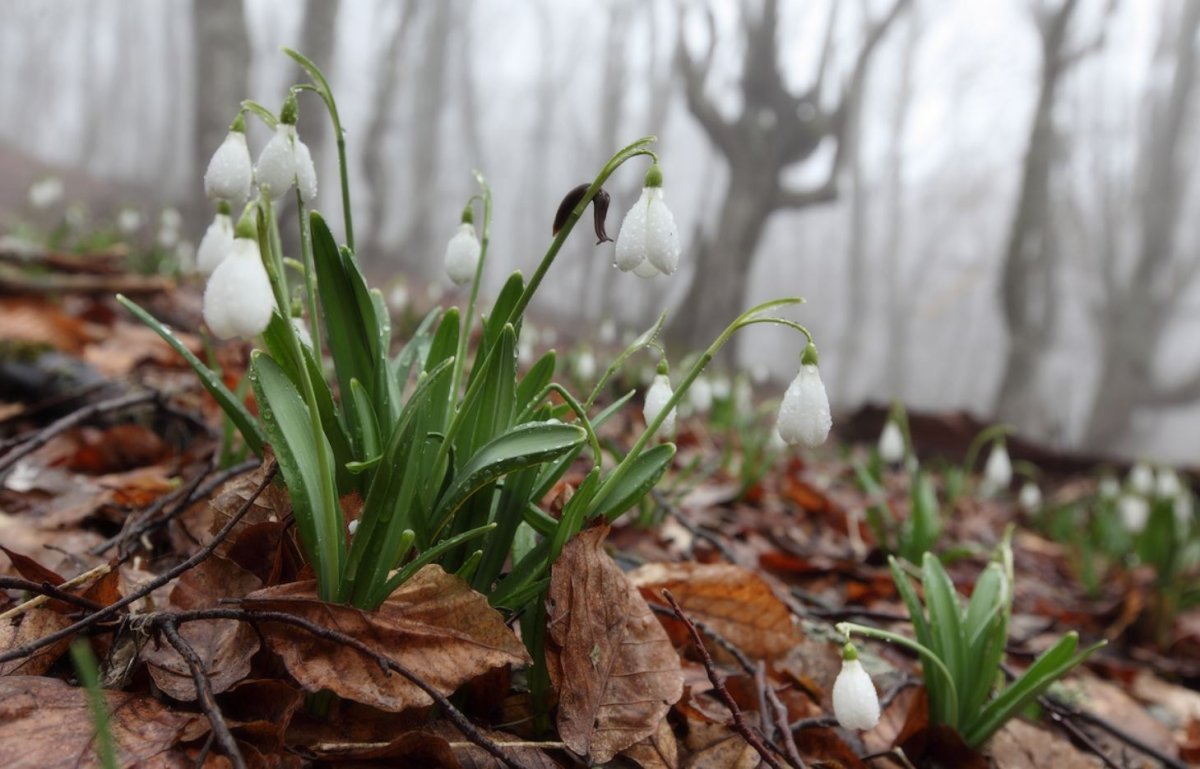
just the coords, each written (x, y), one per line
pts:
(385, 663)
(154, 584)
(48, 591)
(204, 694)
(781, 719)
(740, 726)
(695, 530)
(40, 599)
(43, 436)
(1070, 712)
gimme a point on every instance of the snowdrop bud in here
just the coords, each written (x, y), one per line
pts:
(855, 702)
(608, 331)
(721, 387)
(804, 414)
(1109, 487)
(462, 254)
(129, 220)
(398, 298)
(1030, 497)
(276, 166)
(229, 173)
(216, 244)
(585, 365)
(306, 172)
(352, 526)
(657, 396)
(46, 192)
(997, 471)
(1141, 479)
(648, 237)
(238, 300)
(891, 443)
(1134, 512)
(701, 395)
(1166, 484)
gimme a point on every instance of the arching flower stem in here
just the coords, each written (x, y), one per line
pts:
(468, 319)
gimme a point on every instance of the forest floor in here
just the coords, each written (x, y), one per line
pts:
(121, 525)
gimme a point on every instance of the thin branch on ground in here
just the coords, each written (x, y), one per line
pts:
(781, 716)
(740, 726)
(38, 600)
(204, 694)
(694, 529)
(26, 649)
(385, 663)
(48, 591)
(43, 436)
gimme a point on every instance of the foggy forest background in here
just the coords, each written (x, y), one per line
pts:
(989, 205)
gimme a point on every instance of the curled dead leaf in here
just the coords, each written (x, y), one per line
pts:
(612, 663)
(735, 602)
(434, 625)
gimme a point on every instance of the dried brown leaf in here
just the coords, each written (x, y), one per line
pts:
(612, 663)
(224, 646)
(434, 625)
(45, 724)
(735, 602)
(30, 626)
(1020, 745)
(658, 751)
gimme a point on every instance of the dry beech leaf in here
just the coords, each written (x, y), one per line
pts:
(270, 505)
(733, 601)
(716, 746)
(1020, 745)
(45, 724)
(30, 626)
(225, 646)
(434, 625)
(658, 751)
(613, 665)
(441, 745)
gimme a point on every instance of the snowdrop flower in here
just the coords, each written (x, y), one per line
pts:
(1141, 479)
(855, 702)
(129, 221)
(352, 526)
(608, 331)
(238, 300)
(701, 395)
(657, 396)
(1030, 497)
(585, 365)
(46, 192)
(286, 160)
(217, 242)
(776, 443)
(649, 241)
(1166, 484)
(804, 415)
(891, 443)
(229, 174)
(721, 387)
(398, 297)
(1184, 509)
(1109, 487)
(997, 471)
(462, 252)
(1134, 512)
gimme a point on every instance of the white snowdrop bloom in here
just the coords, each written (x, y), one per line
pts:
(648, 233)
(129, 221)
(398, 297)
(352, 526)
(306, 171)
(776, 441)
(170, 219)
(1184, 508)
(1166, 484)
(804, 415)
(1134, 512)
(46, 192)
(646, 270)
(524, 351)
(720, 387)
(743, 396)
(701, 395)
(1030, 497)
(230, 174)
(997, 471)
(238, 300)
(1109, 487)
(216, 244)
(276, 168)
(891, 443)
(462, 255)
(1141, 479)
(855, 701)
(656, 400)
(585, 365)
(608, 331)
(76, 216)
(168, 237)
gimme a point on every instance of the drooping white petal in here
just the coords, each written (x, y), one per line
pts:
(804, 415)
(585, 366)
(1166, 483)
(216, 244)
(646, 270)
(855, 702)
(701, 395)
(1134, 512)
(631, 240)
(1141, 478)
(276, 167)
(662, 238)
(997, 471)
(306, 172)
(238, 300)
(1109, 487)
(891, 443)
(656, 400)
(229, 174)
(462, 255)
(1030, 497)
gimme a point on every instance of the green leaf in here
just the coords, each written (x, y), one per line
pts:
(445, 340)
(415, 349)
(387, 388)
(365, 417)
(643, 473)
(924, 523)
(506, 300)
(351, 327)
(514, 501)
(945, 620)
(297, 450)
(986, 629)
(523, 446)
(429, 556)
(230, 404)
(535, 381)
(487, 410)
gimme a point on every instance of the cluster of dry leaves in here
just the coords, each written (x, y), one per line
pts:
(212, 639)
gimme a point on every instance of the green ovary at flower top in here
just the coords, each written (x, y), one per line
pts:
(442, 444)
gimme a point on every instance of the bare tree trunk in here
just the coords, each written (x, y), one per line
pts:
(222, 65)
(859, 276)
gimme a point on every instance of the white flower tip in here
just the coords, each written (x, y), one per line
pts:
(997, 471)
(804, 415)
(855, 702)
(1134, 512)
(229, 174)
(657, 396)
(238, 300)
(1030, 497)
(891, 443)
(216, 244)
(462, 255)
(648, 243)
